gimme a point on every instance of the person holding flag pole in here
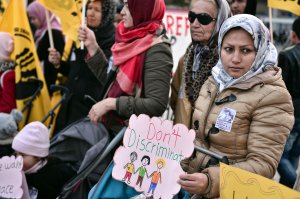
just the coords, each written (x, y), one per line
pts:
(83, 21)
(291, 6)
(81, 80)
(46, 35)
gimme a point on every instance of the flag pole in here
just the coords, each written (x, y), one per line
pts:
(83, 21)
(270, 24)
(49, 29)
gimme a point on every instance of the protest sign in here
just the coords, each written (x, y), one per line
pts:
(149, 159)
(11, 177)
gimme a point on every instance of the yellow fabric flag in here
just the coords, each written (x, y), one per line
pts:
(2, 8)
(288, 5)
(238, 183)
(29, 75)
(79, 5)
(69, 15)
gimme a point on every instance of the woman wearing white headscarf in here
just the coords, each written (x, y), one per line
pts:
(246, 83)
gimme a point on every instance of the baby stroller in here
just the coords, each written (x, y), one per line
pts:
(33, 89)
(89, 149)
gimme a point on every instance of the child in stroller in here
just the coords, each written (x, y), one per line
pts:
(45, 175)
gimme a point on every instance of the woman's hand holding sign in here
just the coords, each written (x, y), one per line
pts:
(195, 183)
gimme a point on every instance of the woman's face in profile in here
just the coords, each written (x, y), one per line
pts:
(127, 18)
(28, 160)
(237, 52)
(94, 14)
(34, 20)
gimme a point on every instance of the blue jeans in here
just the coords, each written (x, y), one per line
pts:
(290, 158)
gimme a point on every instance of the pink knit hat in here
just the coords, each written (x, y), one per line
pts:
(6, 46)
(33, 140)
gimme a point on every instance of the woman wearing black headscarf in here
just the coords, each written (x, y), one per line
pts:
(81, 80)
(243, 6)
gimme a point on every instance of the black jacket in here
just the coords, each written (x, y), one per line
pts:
(50, 72)
(50, 179)
(289, 61)
(81, 80)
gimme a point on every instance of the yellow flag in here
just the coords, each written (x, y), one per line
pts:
(69, 15)
(79, 4)
(2, 8)
(29, 75)
(288, 5)
(238, 183)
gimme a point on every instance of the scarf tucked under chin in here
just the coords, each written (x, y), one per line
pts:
(129, 52)
(197, 71)
(200, 52)
(266, 53)
(131, 45)
(40, 164)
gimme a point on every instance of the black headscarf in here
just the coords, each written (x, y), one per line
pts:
(251, 7)
(105, 33)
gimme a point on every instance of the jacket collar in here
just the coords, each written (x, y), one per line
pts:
(270, 76)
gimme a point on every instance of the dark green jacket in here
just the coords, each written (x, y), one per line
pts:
(156, 84)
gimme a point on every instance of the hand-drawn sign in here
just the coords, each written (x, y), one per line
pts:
(149, 159)
(11, 177)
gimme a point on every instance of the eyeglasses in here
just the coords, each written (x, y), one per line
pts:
(203, 18)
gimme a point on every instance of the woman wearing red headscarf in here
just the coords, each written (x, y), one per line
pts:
(143, 59)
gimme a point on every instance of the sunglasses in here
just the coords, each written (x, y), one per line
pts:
(203, 18)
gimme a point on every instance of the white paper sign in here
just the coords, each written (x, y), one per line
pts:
(11, 177)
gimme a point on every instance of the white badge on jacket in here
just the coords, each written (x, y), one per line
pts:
(225, 119)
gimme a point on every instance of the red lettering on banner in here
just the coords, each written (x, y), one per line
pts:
(177, 25)
(187, 25)
(170, 23)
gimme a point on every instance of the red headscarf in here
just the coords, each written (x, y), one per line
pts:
(132, 44)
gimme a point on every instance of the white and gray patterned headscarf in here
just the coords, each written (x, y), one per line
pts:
(202, 50)
(266, 53)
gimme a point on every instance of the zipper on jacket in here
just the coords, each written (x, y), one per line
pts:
(213, 96)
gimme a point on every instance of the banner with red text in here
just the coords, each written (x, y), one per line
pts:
(178, 31)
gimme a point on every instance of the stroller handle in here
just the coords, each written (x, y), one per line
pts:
(64, 89)
(221, 158)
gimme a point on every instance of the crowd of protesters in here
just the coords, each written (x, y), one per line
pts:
(230, 73)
